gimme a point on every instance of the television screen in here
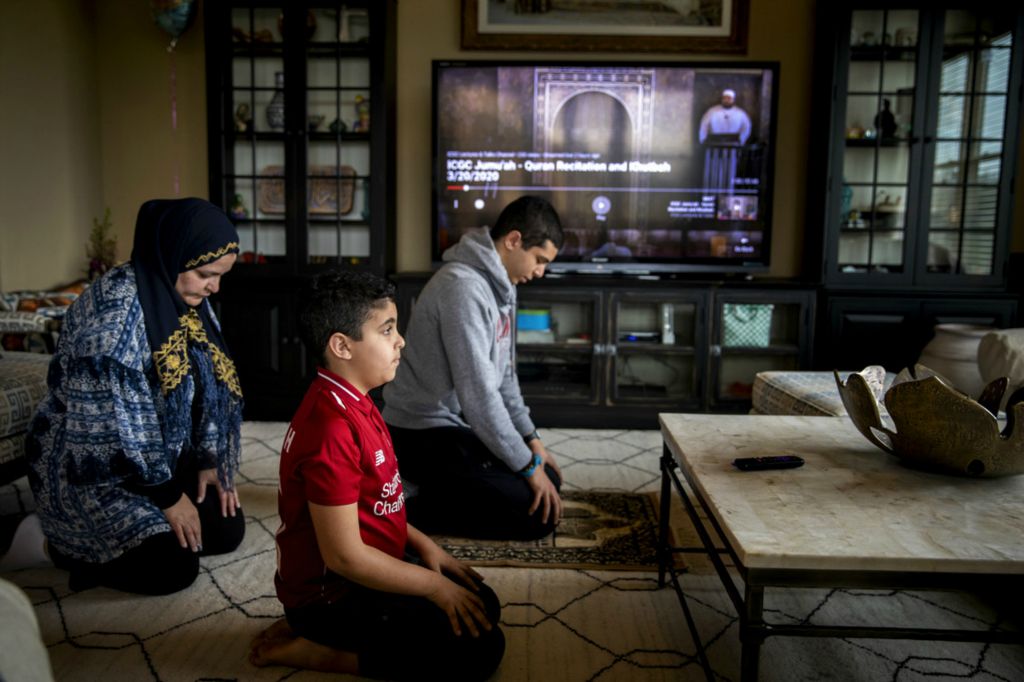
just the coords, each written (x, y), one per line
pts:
(652, 167)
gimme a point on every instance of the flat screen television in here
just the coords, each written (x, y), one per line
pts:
(656, 167)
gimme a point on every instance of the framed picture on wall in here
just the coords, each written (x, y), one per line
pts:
(695, 26)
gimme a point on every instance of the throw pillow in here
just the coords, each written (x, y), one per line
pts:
(874, 375)
(1001, 354)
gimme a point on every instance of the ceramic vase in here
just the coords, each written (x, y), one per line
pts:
(953, 353)
(275, 110)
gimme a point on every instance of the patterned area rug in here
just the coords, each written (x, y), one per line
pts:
(599, 530)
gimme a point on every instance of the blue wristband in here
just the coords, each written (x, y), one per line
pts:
(528, 470)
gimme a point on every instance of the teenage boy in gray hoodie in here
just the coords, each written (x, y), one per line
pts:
(457, 419)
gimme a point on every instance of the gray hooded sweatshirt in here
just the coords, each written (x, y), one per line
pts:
(458, 365)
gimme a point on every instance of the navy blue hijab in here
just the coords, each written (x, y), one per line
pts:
(173, 236)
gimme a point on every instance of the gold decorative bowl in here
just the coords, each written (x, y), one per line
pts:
(939, 428)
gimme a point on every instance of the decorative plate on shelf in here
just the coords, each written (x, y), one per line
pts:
(329, 191)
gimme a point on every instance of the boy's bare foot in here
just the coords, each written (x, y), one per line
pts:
(279, 630)
(278, 645)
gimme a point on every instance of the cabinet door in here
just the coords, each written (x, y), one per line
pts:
(866, 332)
(261, 333)
(656, 349)
(753, 332)
(973, 123)
(249, 153)
(301, 130)
(924, 144)
(878, 114)
(336, 163)
(559, 355)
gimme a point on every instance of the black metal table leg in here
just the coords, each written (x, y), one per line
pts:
(752, 632)
(664, 552)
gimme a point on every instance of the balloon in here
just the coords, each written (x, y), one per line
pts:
(174, 16)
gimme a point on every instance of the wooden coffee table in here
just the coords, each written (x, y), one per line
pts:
(851, 517)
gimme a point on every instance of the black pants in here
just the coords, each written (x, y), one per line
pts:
(464, 489)
(159, 565)
(400, 637)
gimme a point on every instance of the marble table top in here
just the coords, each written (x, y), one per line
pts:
(851, 506)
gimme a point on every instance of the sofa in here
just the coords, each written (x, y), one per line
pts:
(30, 320)
(812, 394)
(22, 387)
(1000, 353)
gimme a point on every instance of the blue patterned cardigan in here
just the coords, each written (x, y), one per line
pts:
(98, 435)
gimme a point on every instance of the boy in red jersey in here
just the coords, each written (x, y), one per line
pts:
(363, 591)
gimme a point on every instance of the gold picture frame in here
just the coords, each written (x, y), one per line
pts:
(720, 27)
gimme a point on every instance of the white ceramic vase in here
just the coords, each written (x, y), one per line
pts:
(953, 353)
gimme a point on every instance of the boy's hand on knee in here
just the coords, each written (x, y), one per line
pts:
(545, 497)
(461, 573)
(461, 606)
(546, 457)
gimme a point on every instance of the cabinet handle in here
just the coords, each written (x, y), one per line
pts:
(716, 350)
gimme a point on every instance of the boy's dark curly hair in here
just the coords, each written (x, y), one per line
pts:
(341, 301)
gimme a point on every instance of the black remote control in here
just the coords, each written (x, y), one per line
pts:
(761, 463)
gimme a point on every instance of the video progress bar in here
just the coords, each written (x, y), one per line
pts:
(610, 190)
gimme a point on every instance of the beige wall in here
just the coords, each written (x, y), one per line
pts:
(143, 156)
(86, 124)
(92, 124)
(50, 179)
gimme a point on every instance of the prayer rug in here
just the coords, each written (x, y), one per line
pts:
(599, 530)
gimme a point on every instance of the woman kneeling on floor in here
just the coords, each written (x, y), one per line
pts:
(133, 452)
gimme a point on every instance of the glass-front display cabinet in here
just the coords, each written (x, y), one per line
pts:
(610, 354)
(300, 126)
(924, 117)
(618, 353)
(300, 99)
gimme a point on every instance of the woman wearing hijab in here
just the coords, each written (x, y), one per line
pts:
(134, 451)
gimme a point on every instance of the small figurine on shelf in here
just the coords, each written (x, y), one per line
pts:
(275, 110)
(338, 126)
(238, 210)
(885, 121)
(362, 124)
(243, 117)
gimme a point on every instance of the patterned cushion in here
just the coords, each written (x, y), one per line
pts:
(22, 321)
(810, 393)
(12, 454)
(22, 386)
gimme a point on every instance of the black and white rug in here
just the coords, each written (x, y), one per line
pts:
(561, 624)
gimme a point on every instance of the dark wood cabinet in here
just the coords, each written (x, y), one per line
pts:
(891, 328)
(613, 353)
(918, 112)
(300, 99)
